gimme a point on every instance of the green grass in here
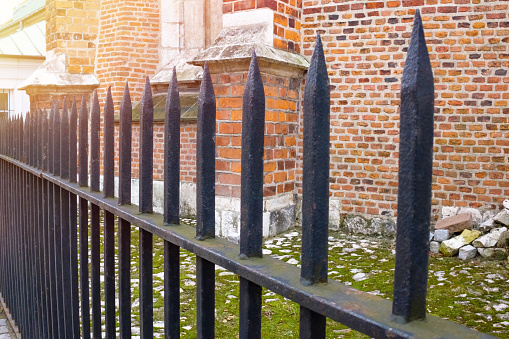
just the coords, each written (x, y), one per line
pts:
(468, 292)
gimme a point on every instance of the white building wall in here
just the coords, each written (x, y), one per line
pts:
(13, 71)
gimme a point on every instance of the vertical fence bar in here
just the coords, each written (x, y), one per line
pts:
(205, 204)
(146, 191)
(34, 231)
(40, 229)
(414, 183)
(171, 208)
(51, 228)
(124, 231)
(315, 186)
(251, 198)
(23, 231)
(95, 228)
(83, 222)
(73, 216)
(45, 224)
(58, 222)
(109, 218)
(65, 221)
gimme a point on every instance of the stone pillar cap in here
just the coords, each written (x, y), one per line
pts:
(236, 43)
(52, 73)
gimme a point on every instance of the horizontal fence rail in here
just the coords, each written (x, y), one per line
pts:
(45, 207)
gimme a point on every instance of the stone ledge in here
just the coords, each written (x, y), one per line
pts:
(233, 48)
(185, 71)
(52, 75)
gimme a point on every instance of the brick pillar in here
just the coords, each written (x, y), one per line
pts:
(71, 31)
(257, 25)
(286, 19)
(127, 46)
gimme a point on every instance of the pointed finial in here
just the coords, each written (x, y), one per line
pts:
(126, 100)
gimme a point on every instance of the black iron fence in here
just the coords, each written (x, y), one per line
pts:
(46, 286)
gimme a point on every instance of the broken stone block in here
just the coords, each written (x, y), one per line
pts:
(476, 215)
(491, 239)
(451, 247)
(503, 241)
(467, 252)
(434, 247)
(493, 253)
(502, 217)
(358, 225)
(487, 225)
(448, 211)
(456, 223)
(442, 235)
(506, 204)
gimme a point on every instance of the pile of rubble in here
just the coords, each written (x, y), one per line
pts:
(459, 235)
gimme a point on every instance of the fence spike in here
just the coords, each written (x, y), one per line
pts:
(109, 147)
(39, 139)
(315, 186)
(146, 149)
(73, 142)
(205, 204)
(414, 183)
(253, 129)
(124, 232)
(172, 152)
(205, 159)
(51, 126)
(64, 142)
(83, 143)
(95, 140)
(73, 169)
(146, 191)
(56, 140)
(45, 127)
(125, 135)
(251, 197)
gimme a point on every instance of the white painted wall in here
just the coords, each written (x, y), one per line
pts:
(13, 71)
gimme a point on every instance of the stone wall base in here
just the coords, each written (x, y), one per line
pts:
(279, 212)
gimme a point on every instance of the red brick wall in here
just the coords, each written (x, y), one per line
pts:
(71, 28)
(127, 47)
(187, 151)
(365, 44)
(281, 124)
(287, 19)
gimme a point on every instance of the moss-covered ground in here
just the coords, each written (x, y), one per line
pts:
(472, 293)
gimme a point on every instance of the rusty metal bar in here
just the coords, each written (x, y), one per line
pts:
(315, 186)
(146, 191)
(83, 221)
(40, 229)
(51, 227)
(414, 180)
(109, 218)
(205, 159)
(57, 230)
(45, 225)
(171, 208)
(172, 153)
(205, 204)
(73, 216)
(95, 124)
(124, 230)
(251, 197)
(65, 222)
